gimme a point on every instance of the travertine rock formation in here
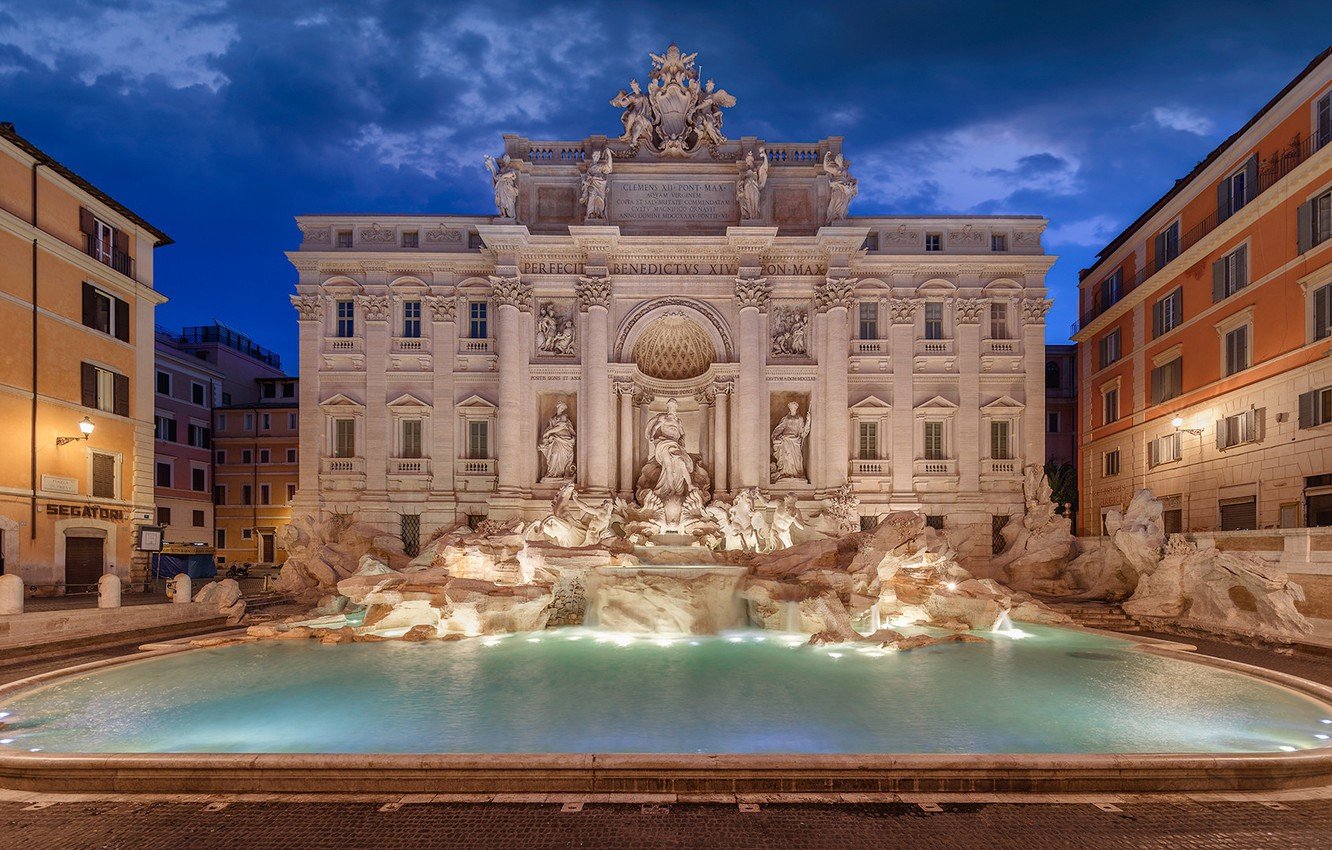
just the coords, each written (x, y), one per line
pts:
(323, 550)
(1037, 547)
(226, 595)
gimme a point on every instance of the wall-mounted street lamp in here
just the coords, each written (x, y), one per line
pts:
(1178, 423)
(86, 426)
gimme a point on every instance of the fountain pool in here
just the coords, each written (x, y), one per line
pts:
(577, 690)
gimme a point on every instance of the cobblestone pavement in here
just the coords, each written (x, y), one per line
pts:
(1178, 825)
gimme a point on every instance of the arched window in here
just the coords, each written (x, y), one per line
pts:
(1052, 375)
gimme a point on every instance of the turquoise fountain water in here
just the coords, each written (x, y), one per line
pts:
(580, 690)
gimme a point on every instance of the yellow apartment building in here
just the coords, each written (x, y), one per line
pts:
(76, 396)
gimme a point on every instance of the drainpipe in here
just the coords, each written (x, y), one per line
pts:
(32, 513)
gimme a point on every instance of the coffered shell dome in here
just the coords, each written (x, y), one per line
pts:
(673, 348)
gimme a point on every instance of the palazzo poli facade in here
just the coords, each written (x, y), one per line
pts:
(669, 304)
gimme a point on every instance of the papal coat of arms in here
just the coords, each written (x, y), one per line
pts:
(677, 115)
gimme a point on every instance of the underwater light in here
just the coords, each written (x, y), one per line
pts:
(1320, 736)
(622, 640)
(952, 585)
(834, 655)
(1286, 749)
(3, 714)
(534, 640)
(6, 740)
(35, 749)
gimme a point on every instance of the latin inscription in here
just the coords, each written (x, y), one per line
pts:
(673, 200)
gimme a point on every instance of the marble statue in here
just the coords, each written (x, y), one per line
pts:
(753, 177)
(596, 182)
(788, 445)
(505, 177)
(844, 187)
(671, 473)
(785, 517)
(557, 445)
(707, 116)
(554, 332)
(790, 332)
(637, 116)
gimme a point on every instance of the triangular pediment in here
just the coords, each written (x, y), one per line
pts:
(476, 401)
(340, 400)
(937, 403)
(1004, 402)
(407, 400)
(871, 403)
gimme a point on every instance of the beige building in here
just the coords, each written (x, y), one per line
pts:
(471, 365)
(76, 305)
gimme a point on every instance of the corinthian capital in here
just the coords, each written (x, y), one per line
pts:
(443, 308)
(1034, 309)
(968, 310)
(512, 291)
(309, 308)
(375, 308)
(835, 292)
(902, 310)
(593, 292)
(752, 292)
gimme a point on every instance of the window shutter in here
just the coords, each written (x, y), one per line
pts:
(1218, 280)
(122, 321)
(1158, 318)
(1321, 311)
(89, 385)
(120, 241)
(1242, 267)
(1159, 245)
(1251, 178)
(120, 404)
(1223, 200)
(1258, 424)
(1153, 455)
(1305, 226)
(86, 223)
(1307, 409)
(171, 430)
(1220, 433)
(89, 305)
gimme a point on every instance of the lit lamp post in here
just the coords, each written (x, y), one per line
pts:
(86, 427)
(1177, 422)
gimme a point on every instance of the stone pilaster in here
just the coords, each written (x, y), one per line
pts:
(834, 298)
(310, 310)
(375, 446)
(902, 343)
(1033, 312)
(512, 298)
(625, 390)
(751, 295)
(704, 398)
(721, 436)
(967, 316)
(594, 294)
(642, 399)
(444, 346)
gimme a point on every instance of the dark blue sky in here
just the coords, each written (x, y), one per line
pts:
(219, 120)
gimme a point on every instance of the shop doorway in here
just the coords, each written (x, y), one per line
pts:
(85, 562)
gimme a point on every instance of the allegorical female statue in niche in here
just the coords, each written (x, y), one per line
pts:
(557, 444)
(788, 445)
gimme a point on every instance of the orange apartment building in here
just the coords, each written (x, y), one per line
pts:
(256, 461)
(76, 395)
(1205, 333)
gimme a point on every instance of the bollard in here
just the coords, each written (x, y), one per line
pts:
(181, 589)
(11, 594)
(108, 591)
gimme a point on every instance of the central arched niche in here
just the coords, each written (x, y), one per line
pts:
(673, 348)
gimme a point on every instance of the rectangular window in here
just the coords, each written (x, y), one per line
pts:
(1110, 348)
(264, 455)
(1164, 449)
(1110, 407)
(934, 441)
(163, 478)
(345, 315)
(478, 326)
(197, 519)
(291, 492)
(1318, 214)
(1316, 407)
(247, 456)
(1168, 312)
(344, 438)
(1230, 274)
(219, 494)
(221, 538)
(265, 494)
(266, 421)
(934, 328)
(409, 532)
(344, 238)
(199, 479)
(164, 516)
(288, 390)
(869, 320)
(411, 239)
(868, 448)
(411, 438)
(1322, 312)
(1168, 380)
(164, 428)
(163, 383)
(1052, 422)
(247, 533)
(221, 422)
(291, 421)
(249, 422)
(221, 457)
(1237, 190)
(1237, 350)
(1244, 427)
(933, 241)
(291, 455)
(104, 475)
(1323, 122)
(105, 390)
(1000, 443)
(478, 439)
(1239, 514)
(411, 319)
(247, 494)
(1110, 463)
(998, 241)
(999, 321)
(270, 389)
(200, 437)
(1111, 290)
(105, 312)
(1167, 245)
(198, 395)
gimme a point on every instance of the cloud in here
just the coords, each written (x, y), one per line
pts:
(97, 39)
(1183, 119)
(1092, 232)
(982, 165)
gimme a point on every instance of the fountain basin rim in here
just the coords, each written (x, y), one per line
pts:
(670, 773)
